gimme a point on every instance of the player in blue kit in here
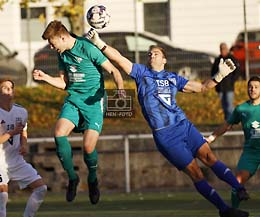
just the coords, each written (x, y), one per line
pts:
(175, 136)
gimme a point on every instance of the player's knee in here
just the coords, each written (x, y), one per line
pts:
(89, 148)
(40, 191)
(58, 133)
(3, 188)
(195, 174)
(242, 178)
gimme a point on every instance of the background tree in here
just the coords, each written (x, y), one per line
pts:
(73, 10)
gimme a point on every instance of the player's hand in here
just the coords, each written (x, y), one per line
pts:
(225, 68)
(38, 75)
(23, 150)
(93, 36)
(210, 139)
(121, 93)
(17, 130)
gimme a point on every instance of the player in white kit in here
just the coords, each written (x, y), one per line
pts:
(13, 141)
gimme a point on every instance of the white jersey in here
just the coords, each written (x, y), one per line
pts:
(9, 150)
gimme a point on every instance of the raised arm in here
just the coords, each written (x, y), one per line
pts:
(110, 68)
(111, 53)
(58, 82)
(225, 68)
(23, 139)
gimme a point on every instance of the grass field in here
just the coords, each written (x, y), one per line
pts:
(160, 204)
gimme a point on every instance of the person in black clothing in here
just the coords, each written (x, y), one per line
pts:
(225, 88)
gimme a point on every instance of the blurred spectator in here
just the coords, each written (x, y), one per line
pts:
(225, 88)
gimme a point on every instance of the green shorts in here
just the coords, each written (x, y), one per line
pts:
(84, 114)
(249, 161)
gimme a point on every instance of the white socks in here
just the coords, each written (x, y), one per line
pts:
(3, 202)
(35, 201)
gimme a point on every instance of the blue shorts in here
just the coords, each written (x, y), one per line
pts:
(179, 143)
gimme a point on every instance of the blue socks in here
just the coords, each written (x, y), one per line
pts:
(225, 174)
(210, 194)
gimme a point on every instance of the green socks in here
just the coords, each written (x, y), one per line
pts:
(91, 162)
(64, 153)
(234, 200)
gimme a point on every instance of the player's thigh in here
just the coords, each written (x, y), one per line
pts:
(206, 155)
(249, 161)
(24, 174)
(92, 116)
(63, 127)
(172, 143)
(37, 183)
(90, 139)
(68, 119)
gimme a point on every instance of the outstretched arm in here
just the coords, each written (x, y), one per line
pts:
(218, 132)
(111, 53)
(109, 67)
(225, 68)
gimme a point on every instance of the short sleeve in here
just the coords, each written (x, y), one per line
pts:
(96, 55)
(138, 71)
(181, 82)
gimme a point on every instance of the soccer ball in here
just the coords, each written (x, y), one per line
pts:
(98, 16)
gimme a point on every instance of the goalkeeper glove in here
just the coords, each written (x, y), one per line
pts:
(225, 68)
(93, 36)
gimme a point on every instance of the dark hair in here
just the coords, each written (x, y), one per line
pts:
(2, 80)
(54, 28)
(254, 78)
(160, 48)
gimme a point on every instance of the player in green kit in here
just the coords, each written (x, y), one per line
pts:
(80, 64)
(248, 113)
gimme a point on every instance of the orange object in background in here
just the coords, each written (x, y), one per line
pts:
(238, 50)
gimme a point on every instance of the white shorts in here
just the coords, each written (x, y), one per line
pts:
(24, 174)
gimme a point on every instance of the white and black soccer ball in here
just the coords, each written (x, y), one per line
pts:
(98, 16)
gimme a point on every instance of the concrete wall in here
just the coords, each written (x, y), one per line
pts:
(148, 168)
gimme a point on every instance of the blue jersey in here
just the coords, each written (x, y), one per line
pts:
(156, 95)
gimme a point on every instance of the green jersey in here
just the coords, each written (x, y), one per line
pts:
(249, 116)
(84, 104)
(82, 67)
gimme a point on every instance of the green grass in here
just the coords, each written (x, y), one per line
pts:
(165, 204)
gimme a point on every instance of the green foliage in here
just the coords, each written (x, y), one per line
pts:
(44, 103)
(72, 9)
(205, 108)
